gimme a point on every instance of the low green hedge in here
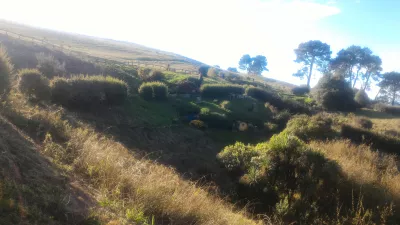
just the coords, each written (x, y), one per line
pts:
(153, 91)
(220, 90)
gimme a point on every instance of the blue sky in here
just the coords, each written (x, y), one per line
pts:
(219, 32)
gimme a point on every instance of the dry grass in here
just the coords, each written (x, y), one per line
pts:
(377, 172)
(135, 189)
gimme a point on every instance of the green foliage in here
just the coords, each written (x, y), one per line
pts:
(309, 128)
(138, 217)
(233, 69)
(50, 66)
(238, 156)
(203, 70)
(301, 90)
(394, 110)
(253, 65)
(198, 124)
(186, 87)
(153, 91)
(334, 94)
(185, 108)
(212, 72)
(216, 120)
(264, 96)
(149, 75)
(362, 98)
(33, 84)
(391, 84)
(282, 117)
(220, 90)
(364, 122)
(6, 69)
(86, 91)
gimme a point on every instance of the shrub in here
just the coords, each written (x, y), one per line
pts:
(33, 84)
(6, 69)
(153, 90)
(212, 72)
(265, 96)
(186, 108)
(198, 124)
(86, 91)
(308, 128)
(363, 122)
(394, 110)
(144, 73)
(281, 118)
(216, 120)
(301, 90)
(334, 94)
(220, 90)
(186, 87)
(155, 75)
(237, 157)
(362, 98)
(49, 66)
(378, 141)
(203, 70)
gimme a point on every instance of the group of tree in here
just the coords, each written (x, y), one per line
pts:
(253, 65)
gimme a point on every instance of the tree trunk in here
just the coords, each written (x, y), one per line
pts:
(394, 97)
(309, 75)
(366, 82)
(355, 79)
(377, 94)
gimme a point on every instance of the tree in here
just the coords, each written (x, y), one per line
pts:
(253, 65)
(373, 66)
(203, 70)
(233, 69)
(391, 85)
(351, 62)
(310, 54)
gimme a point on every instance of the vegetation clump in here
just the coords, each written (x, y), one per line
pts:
(86, 91)
(33, 84)
(362, 98)
(220, 90)
(309, 128)
(6, 68)
(153, 91)
(198, 124)
(301, 90)
(50, 66)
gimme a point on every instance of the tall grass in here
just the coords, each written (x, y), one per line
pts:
(6, 69)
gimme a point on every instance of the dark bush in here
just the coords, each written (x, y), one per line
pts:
(394, 110)
(362, 98)
(309, 128)
(186, 108)
(380, 142)
(364, 122)
(33, 84)
(50, 66)
(212, 72)
(186, 87)
(87, 91)
(216, 120)
(334, 94)
(153, 90)
(6, 69)
(301, 90)
(203, 70)
(198, 124)
(220, 90)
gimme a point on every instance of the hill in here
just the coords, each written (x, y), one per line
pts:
(125, 144)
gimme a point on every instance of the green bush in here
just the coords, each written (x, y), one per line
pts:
(186, 108)
(153, 91)
(362, 98)
(198, 124)
(265, 96)
(212, 72)
(155, 75)
(309, 128)
(364, 122)
(186, 87)
(238, 156)
(50, 66)
(6, 69)
(301, 90)
(216, 120)
(394, 110)
(33, 84)
(203, 70)
(334, 94)
(220, 90)
(282, 117)
(86, 91)
(144, 73)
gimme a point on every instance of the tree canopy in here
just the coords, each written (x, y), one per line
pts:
(253, 65)
(310, 54)
(233, 69)
(391, 85)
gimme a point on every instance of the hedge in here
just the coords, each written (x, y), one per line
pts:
(220, 90)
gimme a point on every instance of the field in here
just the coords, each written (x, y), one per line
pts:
(224, 149)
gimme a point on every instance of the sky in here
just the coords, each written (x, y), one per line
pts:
(219, 32)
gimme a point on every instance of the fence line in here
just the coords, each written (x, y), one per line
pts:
(68, 49)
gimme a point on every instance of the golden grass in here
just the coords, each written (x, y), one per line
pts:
(365, 167)
(135, 184)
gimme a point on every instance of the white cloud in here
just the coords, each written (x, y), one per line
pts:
(215, 32)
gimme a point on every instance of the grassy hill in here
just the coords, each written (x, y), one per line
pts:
(105, 152)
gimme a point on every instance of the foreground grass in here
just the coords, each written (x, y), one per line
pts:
(133, 190)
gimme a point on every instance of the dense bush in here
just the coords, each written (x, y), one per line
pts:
(6, 69)
(198, 124)
(293, 176)
(87, 91)
(363, 122)
(282, 117)
(186, 87)
(378, 141)
(50, 66)
(186, 108)
(362, 98)
(33, 84)
(153, 90)
(301, 90)
(212, 72)
(216, 120)
(149, 75)
(334, 94)
(144, 73)
(220, 90)
(309, 128)
(265, 96)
